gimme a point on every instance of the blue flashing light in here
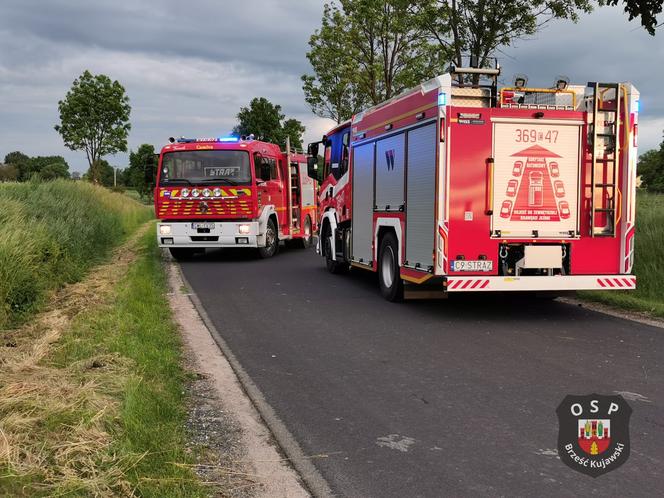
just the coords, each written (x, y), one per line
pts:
(442, 99)
(637, 106)
(229, 139)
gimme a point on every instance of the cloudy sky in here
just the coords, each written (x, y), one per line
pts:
(189, 66)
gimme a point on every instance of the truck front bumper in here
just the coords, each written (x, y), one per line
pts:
(544, 283)
(220, 234)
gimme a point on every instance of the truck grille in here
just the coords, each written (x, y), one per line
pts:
(232, 208)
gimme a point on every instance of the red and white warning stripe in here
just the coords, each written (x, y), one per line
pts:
(467, 284)
(617, 283)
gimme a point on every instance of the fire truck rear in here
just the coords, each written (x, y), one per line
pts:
(457, 185)
(232, 192)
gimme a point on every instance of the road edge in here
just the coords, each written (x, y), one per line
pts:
(606, 309)
(310, 476)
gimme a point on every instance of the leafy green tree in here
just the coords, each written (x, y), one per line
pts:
(8, 173)
(293, 129)
(48, 167)
(53, 171)
(266, 121)
(479, 28)
(135, 173)
(367, 51)
(22, 164)
(334, 90)
(647, 10)
(101, 173)
(651, 169)
(94, 117)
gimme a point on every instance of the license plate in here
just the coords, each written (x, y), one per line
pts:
(197, 224)
(464, 265)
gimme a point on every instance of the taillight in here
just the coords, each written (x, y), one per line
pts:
(442, 129)
(636, 134)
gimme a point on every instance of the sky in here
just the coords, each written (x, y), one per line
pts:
(188, 67)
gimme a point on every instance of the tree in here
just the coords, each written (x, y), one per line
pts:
(8, 173)
(135, 174)
(647, 10)
(293, 129)
(53, 171)
(334, 90)
(101, 173)
(266, 121)
(94, 116)
(367, 51)
(48, 167)
(21, 163)
(651, 169)
(479, 28)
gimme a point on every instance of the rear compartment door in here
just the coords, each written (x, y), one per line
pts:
(421, 195)
(536, 177)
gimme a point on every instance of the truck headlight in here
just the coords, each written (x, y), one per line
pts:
(243, 229)
(164, 229)
(216, 192)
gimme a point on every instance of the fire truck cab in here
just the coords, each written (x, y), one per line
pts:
(232, 192)
(457, 185)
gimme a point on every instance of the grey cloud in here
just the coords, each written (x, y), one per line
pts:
(189, 67)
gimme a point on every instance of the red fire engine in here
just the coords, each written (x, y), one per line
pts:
(232, 192)
(459, 186)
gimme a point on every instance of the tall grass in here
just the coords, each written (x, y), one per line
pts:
(51, 233)
(648, 260)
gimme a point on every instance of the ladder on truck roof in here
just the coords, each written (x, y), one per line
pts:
(604, 148)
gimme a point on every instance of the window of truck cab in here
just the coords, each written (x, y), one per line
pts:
(337, 154)
(265, 168)
(224, 167)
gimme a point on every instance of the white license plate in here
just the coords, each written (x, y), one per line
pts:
(205, 225)
(465, 265)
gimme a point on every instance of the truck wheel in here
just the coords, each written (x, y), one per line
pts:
(391, 285)
(181, 253)
(333, 266)
(305, 241)
(271, 241)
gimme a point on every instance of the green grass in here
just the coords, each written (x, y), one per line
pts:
(52, 233)
(648, 261)
(139, 330)
(111, 392)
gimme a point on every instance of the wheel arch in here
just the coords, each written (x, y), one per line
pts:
(384, 226)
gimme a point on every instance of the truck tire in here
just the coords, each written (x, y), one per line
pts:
(391, 285)
(333, 266)
(271, 241)
(181, 253)
(305, 242)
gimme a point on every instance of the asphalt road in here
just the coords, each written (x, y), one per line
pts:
(438, 398)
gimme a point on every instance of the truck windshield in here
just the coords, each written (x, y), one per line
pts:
(206, 166)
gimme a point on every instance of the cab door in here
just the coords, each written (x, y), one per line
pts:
(270, 187)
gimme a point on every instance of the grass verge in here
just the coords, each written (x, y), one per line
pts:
(92, 392)
(56, 232)
(648, 261)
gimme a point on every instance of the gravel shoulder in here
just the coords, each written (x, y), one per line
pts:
(234, 448)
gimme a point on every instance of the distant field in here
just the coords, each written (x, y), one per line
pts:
(52, 233)
(649, 261)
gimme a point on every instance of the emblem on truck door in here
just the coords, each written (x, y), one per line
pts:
(593, 435)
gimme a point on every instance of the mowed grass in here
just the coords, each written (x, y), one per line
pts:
(648, 261)
(108, 418)
(52, 233)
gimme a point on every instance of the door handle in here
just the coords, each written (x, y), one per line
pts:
(488, 199)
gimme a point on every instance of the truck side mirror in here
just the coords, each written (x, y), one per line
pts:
(312, 166)
(312, 149)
